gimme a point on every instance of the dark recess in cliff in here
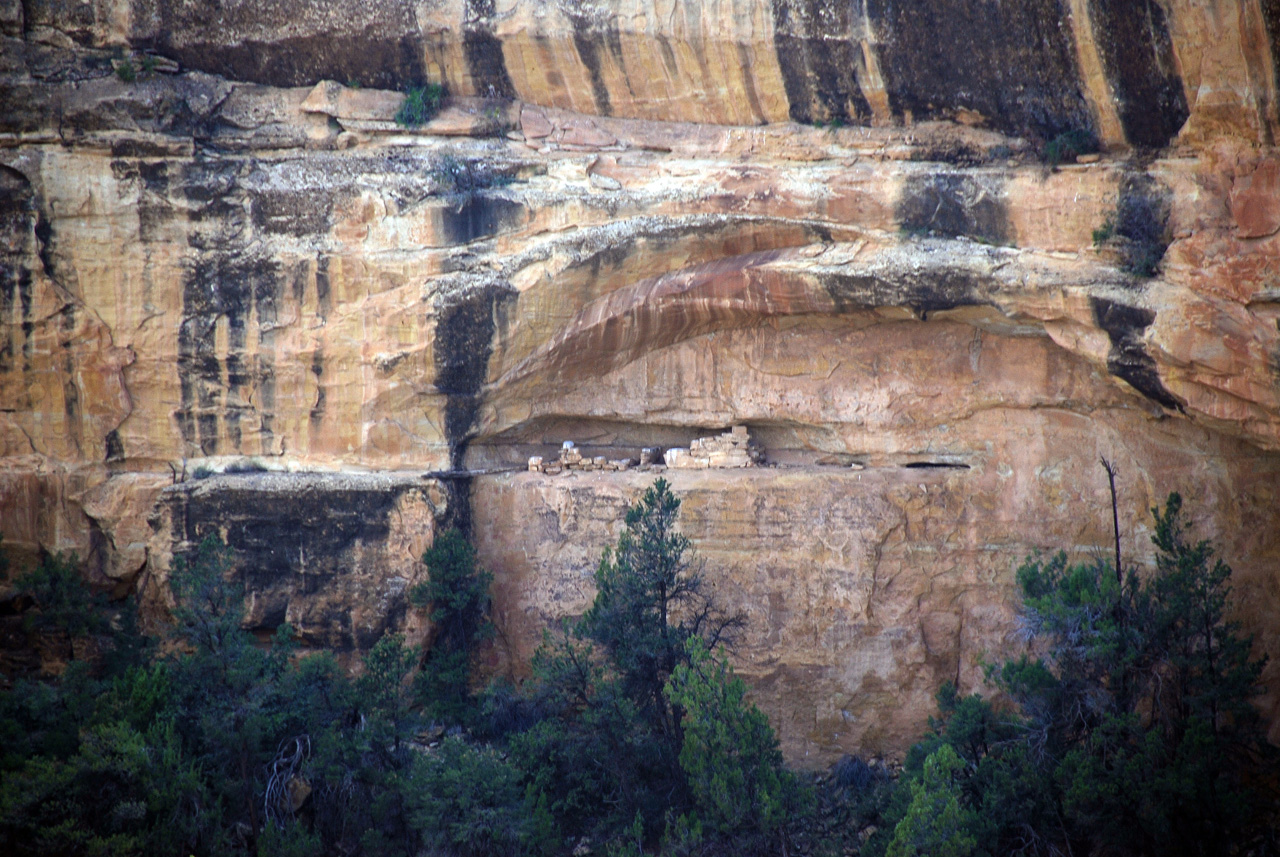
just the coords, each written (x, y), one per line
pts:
(483, 52)
(369, 57)
(476, 216)
(1142, 223)
(1014, 63)
(1128, 359)
(819, 61)
(463, 344)
(305, 550)
(1137, 57)
(954, 204)
(115, 448)
(923, 291)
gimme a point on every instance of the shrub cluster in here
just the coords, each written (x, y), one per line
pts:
(1067, 146)
(421, 103)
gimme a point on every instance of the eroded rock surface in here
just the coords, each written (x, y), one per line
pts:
(332, 555)
(219, 251)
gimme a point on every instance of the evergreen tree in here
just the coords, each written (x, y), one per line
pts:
(457, 594)
(617, 747)
(1134, 730)
(935, 824)
(650, 599)
(729, 754)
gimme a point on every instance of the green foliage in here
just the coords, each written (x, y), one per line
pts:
(384, 691)
(468, 801)
(98, 766)
(63, 600)
(291, 839)
(420, 104)
(1103, 233)
(650, 599)
(203, 750)
(123, 792)
(598, 761)
(644, 735)
(126, 71)
(208, 607)
(457, 593)
(1134, 730)
(935, 824)
(729, 754)
(1066, 146)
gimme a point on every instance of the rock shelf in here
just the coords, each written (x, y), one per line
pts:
(726, 450)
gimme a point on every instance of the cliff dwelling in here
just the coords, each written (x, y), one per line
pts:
(871, 286)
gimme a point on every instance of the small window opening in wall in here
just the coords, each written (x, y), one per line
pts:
(922, 465)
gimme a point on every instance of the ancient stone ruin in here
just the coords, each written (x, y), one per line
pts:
(730, 449)
(571, 458)
(630, 220)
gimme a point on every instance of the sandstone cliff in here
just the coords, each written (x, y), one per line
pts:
(632, 224)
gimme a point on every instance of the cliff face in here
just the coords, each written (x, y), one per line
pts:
(632, 224)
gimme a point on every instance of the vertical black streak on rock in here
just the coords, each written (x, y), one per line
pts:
(226, 279)
(317, 369)
(1142, 220)
(463, 345)
(28, 326)
(669, 56)
(1014, 63)
(18, 217)
(237, 379)
(476, 216)
(1128, 359)
(1137, 57)
(266, 297)
(458, 516)
(153, 211)
(749, 84)
(482, 51)
(588, 41)
(8, 294)
(70, 388)
(44, 243)
(819, 60)
(323, 297)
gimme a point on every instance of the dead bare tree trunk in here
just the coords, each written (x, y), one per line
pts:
(1115, 515)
